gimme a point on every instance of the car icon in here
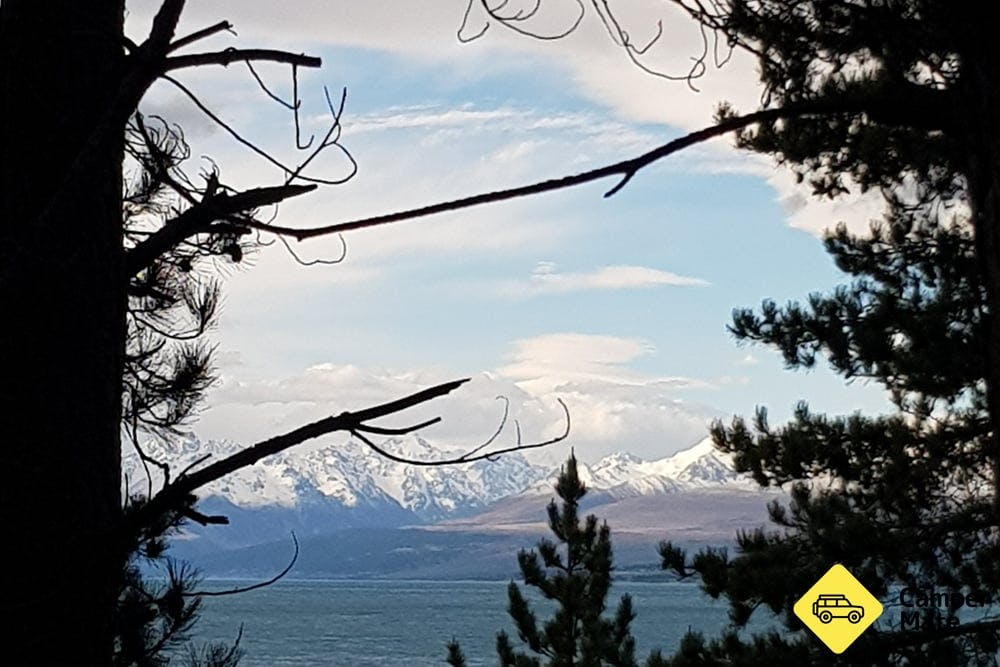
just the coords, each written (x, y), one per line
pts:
(828, 607)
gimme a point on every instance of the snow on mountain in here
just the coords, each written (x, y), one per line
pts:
(622, 475)
(350, 477)
(698, 467)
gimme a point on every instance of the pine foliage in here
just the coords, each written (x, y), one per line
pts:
(168, 367)
(575, 573)
(901, 97)
(903, 500)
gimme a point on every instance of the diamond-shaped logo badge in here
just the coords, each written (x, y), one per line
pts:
(838, 608)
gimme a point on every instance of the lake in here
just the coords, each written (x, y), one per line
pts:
(389, 623)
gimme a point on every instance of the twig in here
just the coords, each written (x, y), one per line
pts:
(251, 587)
(198, 35)
(511, 21)
(319, 260)
(474, 454)
(195, 219)
(174, 495)
(260, 151)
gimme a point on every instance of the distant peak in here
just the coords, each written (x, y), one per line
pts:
(618, 458)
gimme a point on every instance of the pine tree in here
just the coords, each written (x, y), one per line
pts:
(110, 282)
(575, 573)
(903, 500)
(900, 97)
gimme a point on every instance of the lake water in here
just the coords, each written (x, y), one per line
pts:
(390, 623)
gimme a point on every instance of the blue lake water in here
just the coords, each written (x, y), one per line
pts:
(389, 623)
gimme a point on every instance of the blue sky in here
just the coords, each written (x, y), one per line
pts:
(618, 306)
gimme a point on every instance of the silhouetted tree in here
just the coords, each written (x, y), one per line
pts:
(903, 500)
(904, 98)
(575, 574)
(108, 284)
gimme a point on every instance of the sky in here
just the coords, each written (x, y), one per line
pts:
(617, 306)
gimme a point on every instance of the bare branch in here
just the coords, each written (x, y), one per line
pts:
(251, 587)
(496, 434)
(623, 40)
(204, 519)
(293, 173)
(198, 35)
(512, 20)
(164, 25)
(319, 260)
(475, 454)
(200, 216)
(172, 497)
(625, 169)
(267, 91)
(381, 430)
(230, 56)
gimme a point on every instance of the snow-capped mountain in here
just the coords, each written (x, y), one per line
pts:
(348, 490)
(622, 475)
(351, 477)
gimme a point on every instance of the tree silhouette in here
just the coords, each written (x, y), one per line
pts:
(903, 500)
(902, 98)
(575, 572)
(899, 96)
(109, 261)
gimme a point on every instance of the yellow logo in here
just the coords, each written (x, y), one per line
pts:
(838, 608)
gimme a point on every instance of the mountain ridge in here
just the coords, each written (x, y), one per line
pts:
(353, 475)
(319, 490)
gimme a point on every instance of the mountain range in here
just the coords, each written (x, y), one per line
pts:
(321, 492)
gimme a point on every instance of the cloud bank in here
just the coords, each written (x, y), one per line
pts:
(613, 407)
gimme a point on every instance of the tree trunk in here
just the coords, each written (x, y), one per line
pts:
(981, 106)
(63, 303)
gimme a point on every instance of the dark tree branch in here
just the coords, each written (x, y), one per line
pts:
(381, 430)
(174, 496)
(201, 216)
(230, 56)
(199, 35)
(622, 39)
(332, 136)
(625, 169)
(204, 519)
(164, 25)
(877, 106)
(475, 454)
(251, 587)
(267, 91)
(510, 21)
(319, 260)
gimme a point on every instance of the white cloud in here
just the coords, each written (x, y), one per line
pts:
(545, 279)
(748, 360)
(809, 213)
(573, 360)
(613, 407)
(428, 117)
